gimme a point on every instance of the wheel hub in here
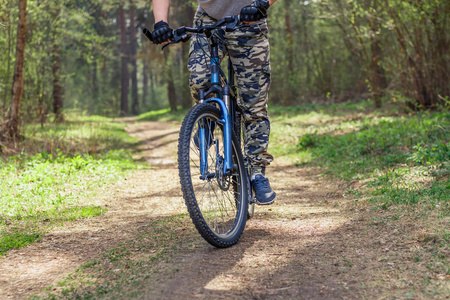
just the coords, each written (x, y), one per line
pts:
(222, 180)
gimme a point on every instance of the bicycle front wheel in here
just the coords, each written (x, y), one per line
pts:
(217, 204)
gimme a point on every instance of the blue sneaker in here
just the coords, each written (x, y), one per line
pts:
(263, 192)
(209, 136)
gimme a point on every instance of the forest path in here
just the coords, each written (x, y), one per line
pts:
(306, 245)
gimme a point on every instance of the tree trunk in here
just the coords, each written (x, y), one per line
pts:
(186, 98)
(289, 95)
(57, 89)
(416, 76)
(13, 122)
(172, 96)
(170, 81)
(375, 81)
(152, 88)
(133, 50)
(8, 72)
(144, 85)
(95, 89)
(124, 60)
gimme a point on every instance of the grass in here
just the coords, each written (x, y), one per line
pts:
(59, 168)
(396, 164)
(399, 158)
(392, 165)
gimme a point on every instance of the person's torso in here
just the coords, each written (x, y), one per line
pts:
(219, 9)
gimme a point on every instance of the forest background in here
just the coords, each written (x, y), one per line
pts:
(360, 93)
(89, 55)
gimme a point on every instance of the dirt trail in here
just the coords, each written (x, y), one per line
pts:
(305, 246)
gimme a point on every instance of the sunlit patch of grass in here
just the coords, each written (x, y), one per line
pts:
(397, 158)
(76, 137)
(396, 167)
(33, 184)
(16, 239)
(60, 165)
(21, 230)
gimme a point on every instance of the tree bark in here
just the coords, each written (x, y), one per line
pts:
(124, 60)
(289, 95)
(13, 122)
(95, 88)
(375, 80)
(133, 50)
(57, 89)
(186, 98)
(420, 91)
(144, 85)
(171, 92)
(170, 82)
(152, 87)
(8, 72)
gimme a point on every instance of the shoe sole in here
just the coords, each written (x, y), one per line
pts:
(266, 203)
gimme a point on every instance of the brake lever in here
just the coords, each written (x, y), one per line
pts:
(168, 44)
(179, 35)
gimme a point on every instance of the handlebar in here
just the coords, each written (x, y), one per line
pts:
(183, 34)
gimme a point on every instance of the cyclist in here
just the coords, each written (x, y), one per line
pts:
(248, 48)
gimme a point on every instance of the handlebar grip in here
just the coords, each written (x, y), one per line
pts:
(148, 34)
(180, 31)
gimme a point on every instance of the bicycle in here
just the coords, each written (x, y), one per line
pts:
(214, 178)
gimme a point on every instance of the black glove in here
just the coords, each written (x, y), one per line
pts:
(255, 12)
(162, 33)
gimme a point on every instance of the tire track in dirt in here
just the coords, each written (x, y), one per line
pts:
(308, 245)
(131, 202)
(267, 262)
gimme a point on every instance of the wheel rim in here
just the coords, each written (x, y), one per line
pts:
(217, 197)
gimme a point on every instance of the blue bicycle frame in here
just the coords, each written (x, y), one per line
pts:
(222, 100)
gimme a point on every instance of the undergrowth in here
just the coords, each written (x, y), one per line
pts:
(59, 167)
(391, 161)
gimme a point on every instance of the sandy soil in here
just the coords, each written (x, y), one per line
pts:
(311, 244)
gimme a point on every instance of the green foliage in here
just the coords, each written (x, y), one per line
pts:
(432, 154)
(17, 239)
(45, 189)
(401, 158)
(321, 51)
(309, 56)
(383, 143)
(37, 183)
(81, 134)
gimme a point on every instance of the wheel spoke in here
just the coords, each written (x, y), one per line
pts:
(215, 201)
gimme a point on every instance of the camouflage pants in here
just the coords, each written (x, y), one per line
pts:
(249, 50)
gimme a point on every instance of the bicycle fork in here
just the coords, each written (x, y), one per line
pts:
(225, 121)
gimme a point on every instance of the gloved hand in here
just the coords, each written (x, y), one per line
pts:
(162, 33)
(255, 12)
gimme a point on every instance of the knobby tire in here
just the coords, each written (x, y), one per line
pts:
(230, 205)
